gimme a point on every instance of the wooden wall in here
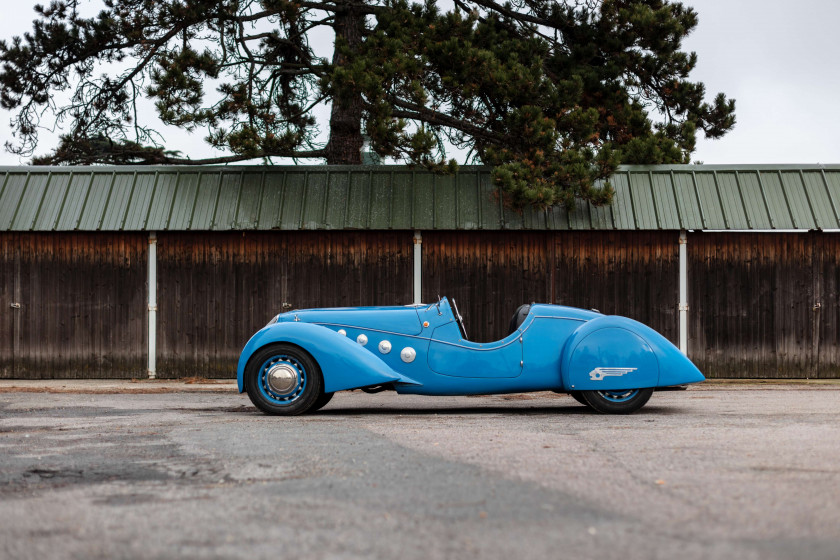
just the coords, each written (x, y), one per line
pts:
(492, 273)
(753, 296)
(216, 290)
(81, 297)
(753, 304)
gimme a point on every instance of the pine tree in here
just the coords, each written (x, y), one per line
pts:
(553, 94)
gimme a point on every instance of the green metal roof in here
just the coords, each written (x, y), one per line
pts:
(719, 197)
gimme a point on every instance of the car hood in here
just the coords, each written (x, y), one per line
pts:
(397, 319)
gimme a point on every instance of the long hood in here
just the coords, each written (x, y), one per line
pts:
(397, 319)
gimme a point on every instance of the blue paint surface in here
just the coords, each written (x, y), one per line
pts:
(556, 348)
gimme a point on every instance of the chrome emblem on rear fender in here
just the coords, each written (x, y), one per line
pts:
(599, 373)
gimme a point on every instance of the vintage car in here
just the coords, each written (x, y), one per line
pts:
(609, 363)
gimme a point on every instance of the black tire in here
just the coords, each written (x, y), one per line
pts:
(322, 401)
(293, 366)
(617, 402)
(577, 396)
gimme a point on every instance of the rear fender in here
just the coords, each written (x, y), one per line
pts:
(344, 363)
(612, 353)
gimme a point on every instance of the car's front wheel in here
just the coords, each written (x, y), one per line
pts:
(283, 379)
(622, 401)
(321, 401)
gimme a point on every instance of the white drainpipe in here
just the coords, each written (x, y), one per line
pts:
(152, 302)
(418, 266)
(683, 305)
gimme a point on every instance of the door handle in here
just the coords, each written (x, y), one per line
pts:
(14, 305)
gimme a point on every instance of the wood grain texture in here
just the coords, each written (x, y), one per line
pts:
(752, 296)
(83, 305)
(752, 299)
(216, 290)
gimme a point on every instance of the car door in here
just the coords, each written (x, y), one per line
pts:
(450, 355)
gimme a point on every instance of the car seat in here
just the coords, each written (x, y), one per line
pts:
(518, 317)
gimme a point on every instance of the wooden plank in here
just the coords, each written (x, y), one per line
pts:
(216, 290)
(751, 304)
(634, 274)
(8, 248)
(489, 274)
(827, 255)
(82, 306)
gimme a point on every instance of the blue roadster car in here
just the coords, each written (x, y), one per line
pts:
(611, 364)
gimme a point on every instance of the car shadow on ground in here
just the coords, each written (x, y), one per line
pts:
(570, 410)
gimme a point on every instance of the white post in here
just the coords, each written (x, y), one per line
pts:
(683, 305)
(152, 302)
(418, 266)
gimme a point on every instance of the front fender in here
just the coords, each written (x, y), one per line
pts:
(344, 364)
(612, 353)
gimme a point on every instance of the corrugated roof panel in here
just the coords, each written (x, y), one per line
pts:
(797, 200)
(183, 203)
(820, 201)
(121, 192)
(469, 189)
(51, 206)
(491, 210)
(392, 197)
(97, 200)
(707, 194)
(15, 186)
(74, 201)
(138, 209)
(755, 210)
(358, 201)
(250, 197)
(206, 200)
(601, 217)
(446, 201)
(730, 197)
(685, 195)
(338, 193)
(423, 201)
(644, 210)
(832, 186)
(578, 216)
(271, 200)
(622, 205)
(380, 202)
(228, 201)
(315, 199)
(776, 202)
(533, 218)
(664, 201)
(557, 218)
(30, 202)
(293, 189)
(161, 204)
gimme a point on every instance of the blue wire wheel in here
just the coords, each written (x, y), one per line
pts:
(620, 396)
(282, 379)
(617, 401)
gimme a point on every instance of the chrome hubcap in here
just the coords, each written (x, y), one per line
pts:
(282, 378)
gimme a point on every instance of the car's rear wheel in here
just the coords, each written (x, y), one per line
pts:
(578, 397)
(283, 379)
(622, 401)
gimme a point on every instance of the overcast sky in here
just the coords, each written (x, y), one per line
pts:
(779, 60)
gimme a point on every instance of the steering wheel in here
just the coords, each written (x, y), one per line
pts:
(459, 319)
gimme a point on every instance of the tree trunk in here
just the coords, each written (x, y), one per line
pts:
(345, 143)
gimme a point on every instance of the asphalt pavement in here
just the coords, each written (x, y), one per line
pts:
(191, 470)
